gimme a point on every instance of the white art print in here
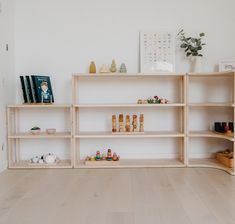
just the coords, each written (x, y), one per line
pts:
(157, 52)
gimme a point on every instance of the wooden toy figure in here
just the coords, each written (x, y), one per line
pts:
(134, 123)
(92, 67)
(121, 123)
(109, 155)
(115, 157)
(97, 156)
(141, 123)
(128, 123)
(113, 66)
(114, 123)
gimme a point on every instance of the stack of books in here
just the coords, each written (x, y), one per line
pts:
(36, 89)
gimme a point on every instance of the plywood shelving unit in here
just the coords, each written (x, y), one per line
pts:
(15, 136)
(178, 79)
(209, 105)
(220, 78)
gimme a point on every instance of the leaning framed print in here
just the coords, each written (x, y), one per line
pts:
(227, 65)
(157, 52)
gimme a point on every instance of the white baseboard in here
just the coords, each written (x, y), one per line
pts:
(3, 166)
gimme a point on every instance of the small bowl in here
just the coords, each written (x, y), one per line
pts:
(51, 131)
(36, 131)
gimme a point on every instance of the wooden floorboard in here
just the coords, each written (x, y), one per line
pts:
(117, 196)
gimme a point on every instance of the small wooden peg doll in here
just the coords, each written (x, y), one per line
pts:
(114, 123)
(141, 123)
(128, 123)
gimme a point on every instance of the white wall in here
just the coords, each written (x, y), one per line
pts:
(7, 77)
(59, 37)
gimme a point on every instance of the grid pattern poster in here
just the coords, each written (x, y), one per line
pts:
(157, 52)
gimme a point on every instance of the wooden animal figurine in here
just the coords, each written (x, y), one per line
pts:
(114, 123)
(109, 155)
(113, 66)
(97, 156)
(141, 123)
(134, 123)
(121, 123)
(123, 68)
(128, 123)
(140, 101)
(92, 67)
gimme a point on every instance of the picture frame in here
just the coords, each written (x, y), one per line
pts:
(157, 52)
(227, 65)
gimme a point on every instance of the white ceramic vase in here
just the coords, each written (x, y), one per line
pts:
(196, 64)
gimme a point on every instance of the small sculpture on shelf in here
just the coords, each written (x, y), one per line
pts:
(121, 123)
(141, 123)
(129, 127)
(134, 123)
(97, 156)
(113, 66)
(109, 155)
(123, 68)
(128, 123)
(92, 67)
(114, 123)
(104, 69)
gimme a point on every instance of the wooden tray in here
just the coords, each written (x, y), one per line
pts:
(222, 158)
(128, 133)
(102, 163)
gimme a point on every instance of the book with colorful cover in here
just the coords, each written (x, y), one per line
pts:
(42, 89)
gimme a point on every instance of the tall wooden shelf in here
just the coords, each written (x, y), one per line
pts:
(181, 105)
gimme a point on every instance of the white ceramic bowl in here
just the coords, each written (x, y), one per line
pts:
(35, 132)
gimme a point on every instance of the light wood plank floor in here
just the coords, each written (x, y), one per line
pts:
(117, 196)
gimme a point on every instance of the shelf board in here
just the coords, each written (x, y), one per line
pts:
(41, 135)
(129, 105)
(146, 134)
(211, 163)
(140, 75)
(39, 105)
(228, 104)
(135, 163)
(63, 164)
(211, 74)
(210, 134)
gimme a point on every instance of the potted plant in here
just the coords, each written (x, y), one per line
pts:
(192, 47)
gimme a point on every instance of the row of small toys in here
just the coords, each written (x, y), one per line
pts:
(106, 68)
(127, 127)
(224, 127)
(153, 100)
(109, 156)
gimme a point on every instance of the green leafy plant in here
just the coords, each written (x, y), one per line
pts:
(191, 45)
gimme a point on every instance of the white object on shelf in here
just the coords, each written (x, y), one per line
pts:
(196, 64)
